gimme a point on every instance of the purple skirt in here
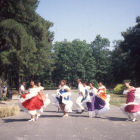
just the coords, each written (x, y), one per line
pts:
(97, 103)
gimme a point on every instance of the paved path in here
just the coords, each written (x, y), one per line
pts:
(51, 126)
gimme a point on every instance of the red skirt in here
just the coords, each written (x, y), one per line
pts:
(131, 108)
(34, 103)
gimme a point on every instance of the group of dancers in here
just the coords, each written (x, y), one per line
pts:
(95, 101)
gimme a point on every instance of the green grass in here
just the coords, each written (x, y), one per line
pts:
(115, 99)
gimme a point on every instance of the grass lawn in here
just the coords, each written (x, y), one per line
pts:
(115, 99)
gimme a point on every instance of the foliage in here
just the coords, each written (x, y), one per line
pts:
(101, 53)
(1, 98)
(5, 98)
(27, 52)
(119, 89)
(126, 56)
(95, 83)
(25, 41)
(73, 60)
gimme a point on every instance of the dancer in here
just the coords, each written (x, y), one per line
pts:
(56, 98)
(31, 102)
(102, 91)
(43, 97)
(85, 84)
(81, 91)
(65, 103)
(95, 104)
(132, 107)
(87, 97)
(102, 94)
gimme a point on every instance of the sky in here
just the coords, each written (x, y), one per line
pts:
(84, 19)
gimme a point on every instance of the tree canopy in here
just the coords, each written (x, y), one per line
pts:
(25, 41)
(26, 51)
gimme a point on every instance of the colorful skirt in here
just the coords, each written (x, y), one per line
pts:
(132, 103)
(33, 105)
(98, 105)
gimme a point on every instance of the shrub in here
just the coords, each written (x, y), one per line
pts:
(5, 98)
(1, 99)
(95, 83)
(119, 89)
(9, 111)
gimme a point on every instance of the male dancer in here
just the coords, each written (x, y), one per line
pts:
(81, 91)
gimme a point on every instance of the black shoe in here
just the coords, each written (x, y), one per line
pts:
(78, 112)
(82, 111)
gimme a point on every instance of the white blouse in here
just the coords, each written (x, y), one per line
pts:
(87, 88)
(125, 92)
(64, 87)
(94, 91)
(81, 88)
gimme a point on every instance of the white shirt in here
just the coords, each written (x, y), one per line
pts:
(125, 92)
(22, 88)
(64, 87)
(87, 88)
(81, 88)
(94, 91)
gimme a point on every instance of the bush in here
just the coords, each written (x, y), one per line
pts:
(1, 99)
(119, 89)
(5, 98)
(9, 111)
(95, 83)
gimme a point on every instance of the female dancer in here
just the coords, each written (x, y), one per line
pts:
(132, 106)
(56, 98)
(43, 97)
(103, 96)
(64, 102)
(87, 97)
(102, 91)
(31, 102)
(85, 84)
(96, 105)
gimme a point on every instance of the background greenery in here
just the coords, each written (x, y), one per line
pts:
(26, 51)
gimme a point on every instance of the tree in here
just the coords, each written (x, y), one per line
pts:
(73, 60)
(25, 40)
(131, 46)
(101, 53)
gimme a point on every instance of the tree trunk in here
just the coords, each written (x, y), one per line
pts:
(0, 86)
(18, 82)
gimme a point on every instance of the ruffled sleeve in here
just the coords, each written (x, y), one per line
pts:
(95, 91)
(33, 92)
(66, 87)
(125, 92)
